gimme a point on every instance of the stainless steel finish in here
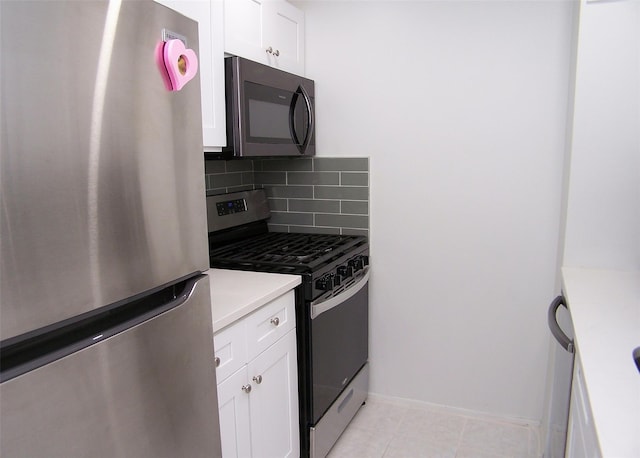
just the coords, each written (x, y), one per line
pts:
(320, 306)
(276, 53)
(145, 392)
(257, 209)
(326, 432)
(275, 321)
(257, 379)
(269, 50)
(246, 388)
(217, 361)
(101, 187)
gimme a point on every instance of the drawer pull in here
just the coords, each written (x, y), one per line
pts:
(275, 321)
(257, 379)
(217, 360)
(246, 388)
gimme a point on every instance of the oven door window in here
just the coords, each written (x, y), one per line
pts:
(274, 115)
(339, 339)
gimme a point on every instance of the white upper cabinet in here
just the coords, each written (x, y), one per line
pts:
(209, 15)
(267, 31)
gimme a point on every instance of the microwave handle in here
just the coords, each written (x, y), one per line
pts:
(302, 146)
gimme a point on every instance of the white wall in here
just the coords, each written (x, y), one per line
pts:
(603, 212)
(461, 107)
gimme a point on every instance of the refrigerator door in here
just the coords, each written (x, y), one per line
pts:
(149, 391)
(102, 191)
(561, 373)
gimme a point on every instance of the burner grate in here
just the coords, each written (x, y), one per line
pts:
(302, 251)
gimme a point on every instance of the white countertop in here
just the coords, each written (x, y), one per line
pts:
(605, 310)
(235, 293)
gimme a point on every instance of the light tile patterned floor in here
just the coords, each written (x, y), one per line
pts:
(391, 430)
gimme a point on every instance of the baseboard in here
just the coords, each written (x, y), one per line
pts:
(455, 410)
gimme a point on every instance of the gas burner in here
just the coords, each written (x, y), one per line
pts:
(303, 251)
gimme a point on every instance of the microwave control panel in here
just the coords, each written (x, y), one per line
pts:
(231, 206)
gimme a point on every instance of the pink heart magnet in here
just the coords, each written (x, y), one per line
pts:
(180, 63)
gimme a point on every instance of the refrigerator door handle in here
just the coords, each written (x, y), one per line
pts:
(559, 335)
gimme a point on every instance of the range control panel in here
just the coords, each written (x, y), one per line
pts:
(231, 206)
(341, 275)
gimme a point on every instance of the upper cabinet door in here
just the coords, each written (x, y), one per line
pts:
(285, 31)
(209, 15)
(270, 32)
(243, 29)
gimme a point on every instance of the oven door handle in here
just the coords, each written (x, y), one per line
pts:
(320, 306)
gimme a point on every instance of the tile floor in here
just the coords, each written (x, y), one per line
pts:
(387, 429)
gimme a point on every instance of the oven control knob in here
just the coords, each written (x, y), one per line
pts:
(345, 271)
(356, 263)
(325, 283)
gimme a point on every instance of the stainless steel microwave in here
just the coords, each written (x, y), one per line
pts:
(269, 112)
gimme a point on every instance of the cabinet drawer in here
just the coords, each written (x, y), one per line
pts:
(266, 325)
(231, 347)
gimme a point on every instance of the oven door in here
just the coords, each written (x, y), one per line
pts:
(339, 342)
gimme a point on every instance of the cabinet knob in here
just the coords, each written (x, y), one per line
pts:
(275, 321)
(217, 360)
(269, 50)
(276, 53)
(257, 379)
(246, 388)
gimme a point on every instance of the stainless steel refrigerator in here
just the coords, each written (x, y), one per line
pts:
(106, 338)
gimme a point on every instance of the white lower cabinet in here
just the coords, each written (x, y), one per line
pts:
(582, 439)
(233, 407)
(258, 402)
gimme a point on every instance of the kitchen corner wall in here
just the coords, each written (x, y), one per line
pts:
(461, 109)
(321, 195)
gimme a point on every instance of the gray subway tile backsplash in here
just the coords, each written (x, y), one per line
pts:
(243, 165)
(311, 195)
(301, 219)
(290, 165)
(354, 179)
(279, 205)
(270, 177)
(341, 192)
(314, 206)
(353, 207)
(290, 192)
(313, 178)
(353, 221)
(341, 164)
(315, 230)
(224, 180)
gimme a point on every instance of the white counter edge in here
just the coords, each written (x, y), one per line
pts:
(236, 293)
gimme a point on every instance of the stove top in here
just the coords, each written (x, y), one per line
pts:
(284, 252)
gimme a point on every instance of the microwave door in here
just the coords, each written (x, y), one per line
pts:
(306, 121)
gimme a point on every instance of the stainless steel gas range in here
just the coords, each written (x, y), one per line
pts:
(331, 307)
